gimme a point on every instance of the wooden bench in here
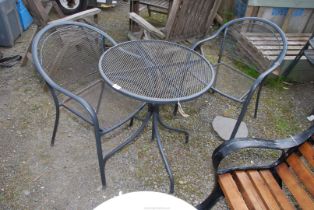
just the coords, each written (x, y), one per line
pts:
(261, 187)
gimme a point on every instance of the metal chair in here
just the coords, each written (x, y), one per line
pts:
(66, 55)
(235, 51)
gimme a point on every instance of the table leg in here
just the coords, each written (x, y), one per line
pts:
(174, 129)
(161, 150)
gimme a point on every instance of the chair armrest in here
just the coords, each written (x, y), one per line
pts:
(237, 144)
(146, 25)
(79, 15)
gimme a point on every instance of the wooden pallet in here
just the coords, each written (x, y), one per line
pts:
(266, 48)
(258, 189)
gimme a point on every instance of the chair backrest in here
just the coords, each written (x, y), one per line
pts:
(238, 43)
(190, 18)
(66, 54)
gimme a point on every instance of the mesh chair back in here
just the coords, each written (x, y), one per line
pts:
(246, 47)
(68, 54)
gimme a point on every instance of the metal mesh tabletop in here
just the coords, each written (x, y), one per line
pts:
(156, 71)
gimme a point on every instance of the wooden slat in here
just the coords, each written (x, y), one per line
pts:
(269, 38)
(277, 43)
(304, 174)
(79, 15)
(250, 195)
(276, 190)
(294, 187)
(263, 190)
(287, 34)
(286, 58)
(231, 192)
(286, 3)
(273, 47)
(308, 152)
(146, 25)
(276, 52)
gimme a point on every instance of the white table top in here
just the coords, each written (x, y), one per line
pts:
(145, 200)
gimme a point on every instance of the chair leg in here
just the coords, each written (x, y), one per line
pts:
(210, 201)
(101, 161)
(57, 106)
(55, 128)
(175, 110)
(257, 100)
(240, 118)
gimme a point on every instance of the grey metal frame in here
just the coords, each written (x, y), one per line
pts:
(286, 146)
(93, 121)
(258, 83)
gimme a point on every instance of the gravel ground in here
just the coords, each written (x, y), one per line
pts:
(34, 175)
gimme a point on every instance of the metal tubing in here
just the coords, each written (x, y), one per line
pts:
(175, 110)
(100, 154)
(129, 140)
(100, 97)
(57, 106)
(161, 151)
(174, 129)
(211, 200)
(257, 99)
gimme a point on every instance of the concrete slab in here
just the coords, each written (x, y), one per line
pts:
(224, 126)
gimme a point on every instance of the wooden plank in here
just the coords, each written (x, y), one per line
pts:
(146, 25)
(282, 3)
(250, 195)
(261, 38)
(287, 34)
(287, 19)
(213, 13)
(308, 152)
(304, 174)
(263, 190)
(231, 192)
(249, 11)
(275, 189)
(79, 15)
(276, 52)
(289, 57)
(277, 43)
(303, 199)
(309, 27)
(273, 47)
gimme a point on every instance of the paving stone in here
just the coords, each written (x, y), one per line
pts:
(224, 126)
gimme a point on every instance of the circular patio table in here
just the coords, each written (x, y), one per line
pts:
(157, 72)
(145, 200)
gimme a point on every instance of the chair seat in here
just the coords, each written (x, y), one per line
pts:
(258, 189)
(231, 82)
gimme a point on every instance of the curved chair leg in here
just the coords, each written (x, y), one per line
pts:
(240, 118)
(257, 99)
(101, 161)
(210, 201)
(55, 128)
(57, 106)
(175, 109)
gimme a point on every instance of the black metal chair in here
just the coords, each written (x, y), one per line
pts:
(257, 184)
(66, 55)
(234, 51)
